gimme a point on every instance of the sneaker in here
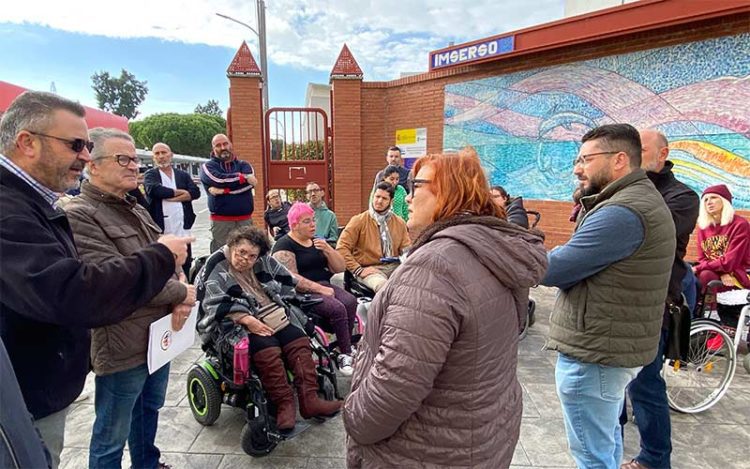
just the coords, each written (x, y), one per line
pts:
(164, 466)
(354, 351)
(344, 363)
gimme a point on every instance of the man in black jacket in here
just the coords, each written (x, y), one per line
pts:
(48, 297)
(648, 392)
(170, 192)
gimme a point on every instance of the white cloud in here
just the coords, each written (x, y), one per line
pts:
(385, 36)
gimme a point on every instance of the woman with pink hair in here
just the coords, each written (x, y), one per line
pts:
(723, 240)
(312, 261)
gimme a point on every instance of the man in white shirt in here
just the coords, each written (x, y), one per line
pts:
(170, 192)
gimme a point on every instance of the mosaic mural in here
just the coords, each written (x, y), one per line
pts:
(526, 126)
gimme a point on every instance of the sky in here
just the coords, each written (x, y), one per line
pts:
(182, 49)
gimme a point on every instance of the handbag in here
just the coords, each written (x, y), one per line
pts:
(273, 316)
(678, 341)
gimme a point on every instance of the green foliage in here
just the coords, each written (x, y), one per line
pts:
(186, 134)
(121, 96)
(310, 150)
(211, 108)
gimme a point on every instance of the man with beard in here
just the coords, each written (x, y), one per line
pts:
(170, 193)
(648, 391)
(229, 184)
(393, 158)
(613, 276)
(49, 298)
(373, 236)
(326, 224)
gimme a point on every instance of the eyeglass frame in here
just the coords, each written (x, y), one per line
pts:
(411, 187)
(581, 160)
(75, 142)
(312, 191)
(136, 159)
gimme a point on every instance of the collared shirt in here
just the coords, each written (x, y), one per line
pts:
(50, 196)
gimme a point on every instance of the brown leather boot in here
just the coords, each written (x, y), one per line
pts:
(273, 376)
(299, 358)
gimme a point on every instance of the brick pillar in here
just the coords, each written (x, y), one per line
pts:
(245, 125)
(346, 114)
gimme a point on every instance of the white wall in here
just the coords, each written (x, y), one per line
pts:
(579, 7)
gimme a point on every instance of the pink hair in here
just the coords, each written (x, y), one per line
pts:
(297, 211)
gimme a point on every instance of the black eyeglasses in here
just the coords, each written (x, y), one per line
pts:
(413, 184)
(123, 160)
(76, 144)
(312, 191)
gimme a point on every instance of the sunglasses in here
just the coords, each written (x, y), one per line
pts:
(76, 144)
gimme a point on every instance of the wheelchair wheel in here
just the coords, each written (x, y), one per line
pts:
(254, 438)
(697, 384)
(204, 395)
(326, 389)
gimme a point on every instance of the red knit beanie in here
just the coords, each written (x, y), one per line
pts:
(719, 189)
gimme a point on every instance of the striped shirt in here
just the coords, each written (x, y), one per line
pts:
(50, 196)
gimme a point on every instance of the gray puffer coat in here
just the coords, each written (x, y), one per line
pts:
(435, 380)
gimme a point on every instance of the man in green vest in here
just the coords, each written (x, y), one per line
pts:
(613, 276)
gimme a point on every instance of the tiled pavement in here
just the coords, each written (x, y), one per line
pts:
(718, 438)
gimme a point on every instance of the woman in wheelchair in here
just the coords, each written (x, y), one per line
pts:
(723, 241)
(239, 280)
(312, 262)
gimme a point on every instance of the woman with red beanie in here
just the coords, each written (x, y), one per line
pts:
(723, 240)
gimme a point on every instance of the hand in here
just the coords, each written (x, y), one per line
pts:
(179, 192)
(189, 295)
(326, 291)
(276, 230)
(255, 326)
(178, 245)
(695, 269)
(367, 271)
(180, 314)
(321, 244)
(728, 280)
(215, 190)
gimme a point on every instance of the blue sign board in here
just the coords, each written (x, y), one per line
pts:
(461, 55)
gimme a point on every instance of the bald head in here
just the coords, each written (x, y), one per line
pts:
(162, 155)
(222, 147)
(655, 150)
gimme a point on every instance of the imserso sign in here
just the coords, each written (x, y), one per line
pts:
(460, 55)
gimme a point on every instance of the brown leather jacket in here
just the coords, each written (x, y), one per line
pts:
(435, 379)
(106, 226)
(359, 243)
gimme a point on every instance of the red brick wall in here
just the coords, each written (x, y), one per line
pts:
(418, 101)
(247, 131)
(347, 144)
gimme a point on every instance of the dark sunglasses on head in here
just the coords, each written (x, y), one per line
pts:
(76, 144)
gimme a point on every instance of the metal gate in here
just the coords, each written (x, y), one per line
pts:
(297, 151)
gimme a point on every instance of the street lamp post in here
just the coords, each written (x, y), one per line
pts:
(261, 33)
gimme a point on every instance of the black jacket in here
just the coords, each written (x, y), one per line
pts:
(156, 192)
(683, 204)
(21, 445)
(49, 298)
(516, 213)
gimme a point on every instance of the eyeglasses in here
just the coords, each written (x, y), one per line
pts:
(584, 160)
(76, 144)
(251, 256)
(123, 160)
(413, 184)
(313, 191)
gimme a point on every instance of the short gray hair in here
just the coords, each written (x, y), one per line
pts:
(99, 135)
(32, 111)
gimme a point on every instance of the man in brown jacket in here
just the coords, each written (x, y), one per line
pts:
(373, 236)
(107, 223)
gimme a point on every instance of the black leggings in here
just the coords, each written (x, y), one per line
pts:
(280, 339)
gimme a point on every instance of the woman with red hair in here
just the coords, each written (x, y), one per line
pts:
(435, 379)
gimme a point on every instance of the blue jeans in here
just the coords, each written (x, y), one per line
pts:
(127, 407)
(648, 394)
(592, 396)
(690, 288)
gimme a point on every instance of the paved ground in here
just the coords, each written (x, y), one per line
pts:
(718, 438)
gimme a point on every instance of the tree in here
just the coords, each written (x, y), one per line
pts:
(186, 134)
(211, 108)
(122, 95)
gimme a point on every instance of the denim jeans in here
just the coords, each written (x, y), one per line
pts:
(648, 394)
(127, 407)
(592, 396)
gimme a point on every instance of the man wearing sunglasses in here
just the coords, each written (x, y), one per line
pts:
(49, 298)
(109, 224)
(229, 183)
(613, 275)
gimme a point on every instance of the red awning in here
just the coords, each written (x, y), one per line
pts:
(94, 117)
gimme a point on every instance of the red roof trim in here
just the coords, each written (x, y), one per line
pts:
(243, 62)
(346, 65)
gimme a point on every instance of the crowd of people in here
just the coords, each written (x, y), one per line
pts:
(449, 258)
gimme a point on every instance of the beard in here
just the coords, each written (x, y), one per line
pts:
(597, 183)
(225, 155)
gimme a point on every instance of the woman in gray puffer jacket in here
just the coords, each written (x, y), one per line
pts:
(435, 379)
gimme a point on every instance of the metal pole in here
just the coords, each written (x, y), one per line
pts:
(261, 15)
